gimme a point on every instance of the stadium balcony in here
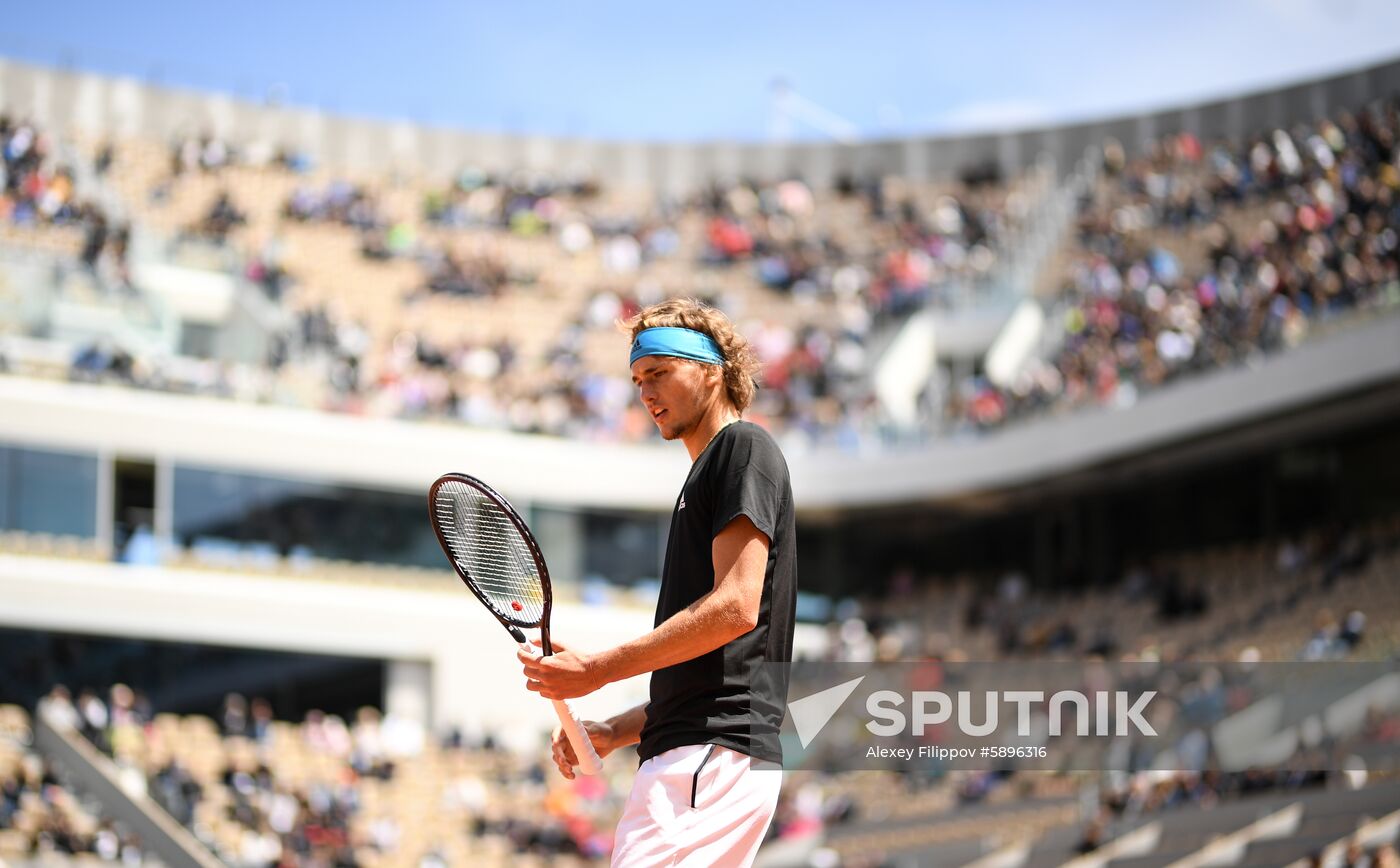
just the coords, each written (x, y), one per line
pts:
(431, 633)
(1347, 368)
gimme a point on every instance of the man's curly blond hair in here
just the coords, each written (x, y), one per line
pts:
(741, 365)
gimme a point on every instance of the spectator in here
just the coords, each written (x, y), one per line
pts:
(235, 715)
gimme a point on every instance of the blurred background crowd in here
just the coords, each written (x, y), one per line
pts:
(492, 300)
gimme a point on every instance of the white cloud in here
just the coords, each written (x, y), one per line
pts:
(994, 115)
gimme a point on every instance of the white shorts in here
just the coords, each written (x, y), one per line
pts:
(701, 804)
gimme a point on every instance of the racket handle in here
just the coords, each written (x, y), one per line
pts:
(588, 760)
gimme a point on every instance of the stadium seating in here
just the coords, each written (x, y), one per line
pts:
(42, 820)
(1232, 600)
(372, 793)
(1201, 256)
(415, 296)
(470, 805)
(407, 281)
(1277, 601)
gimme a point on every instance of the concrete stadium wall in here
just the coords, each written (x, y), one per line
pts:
(473, 678)
(69, 100)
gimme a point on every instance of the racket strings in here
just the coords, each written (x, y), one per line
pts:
(487, 546)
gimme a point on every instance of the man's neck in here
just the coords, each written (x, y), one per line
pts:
(714, 421)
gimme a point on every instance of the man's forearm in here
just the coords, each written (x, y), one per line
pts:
(730, 610)
(627, 726)
(703, 626)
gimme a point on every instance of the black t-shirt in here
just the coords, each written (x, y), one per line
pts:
(726, 697)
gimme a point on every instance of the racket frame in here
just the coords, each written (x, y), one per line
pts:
(512, 625)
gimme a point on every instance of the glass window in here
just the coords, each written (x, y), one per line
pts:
(622, 548)
(48, 492)
(215, 507)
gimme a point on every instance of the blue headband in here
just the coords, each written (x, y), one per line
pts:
(681, 343)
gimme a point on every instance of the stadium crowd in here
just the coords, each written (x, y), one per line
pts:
(900, 253)
(1191, 257)
(43, 820)
(897, 248)
(1324, 204)
(903, 246)
(38, 190)
(374, 791)
(1307, 597)
(36, 187)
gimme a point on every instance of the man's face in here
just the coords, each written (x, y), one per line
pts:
(674, 391)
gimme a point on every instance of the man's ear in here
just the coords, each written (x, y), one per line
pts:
(716, 381)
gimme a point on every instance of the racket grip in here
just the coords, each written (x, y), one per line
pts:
(588, 760)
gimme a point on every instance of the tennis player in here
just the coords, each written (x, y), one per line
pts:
(708, 739)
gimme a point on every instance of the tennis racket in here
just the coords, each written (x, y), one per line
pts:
(497, 557)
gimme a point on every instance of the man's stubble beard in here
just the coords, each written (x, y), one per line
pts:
(681, 429)
(675, 433)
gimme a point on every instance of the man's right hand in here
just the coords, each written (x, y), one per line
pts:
(601, 734)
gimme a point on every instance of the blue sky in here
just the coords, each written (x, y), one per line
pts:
(704, 71)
